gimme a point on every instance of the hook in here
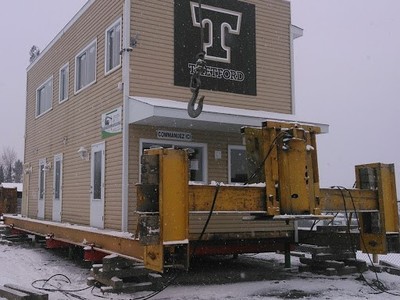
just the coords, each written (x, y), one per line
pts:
(194, 113)
(195, 84)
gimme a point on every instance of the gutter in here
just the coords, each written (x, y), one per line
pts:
(125, 125)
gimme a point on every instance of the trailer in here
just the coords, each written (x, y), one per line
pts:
(179, 220)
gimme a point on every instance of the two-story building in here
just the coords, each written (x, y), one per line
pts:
(115, 81)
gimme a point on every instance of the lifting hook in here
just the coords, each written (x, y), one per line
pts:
(195, 84)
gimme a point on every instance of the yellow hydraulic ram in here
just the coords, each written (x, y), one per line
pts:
(284, 157)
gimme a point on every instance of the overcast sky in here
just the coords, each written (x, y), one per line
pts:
(346, 75)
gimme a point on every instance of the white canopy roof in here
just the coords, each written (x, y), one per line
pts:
(169, 113)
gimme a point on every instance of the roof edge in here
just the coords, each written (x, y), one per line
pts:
(58, 36)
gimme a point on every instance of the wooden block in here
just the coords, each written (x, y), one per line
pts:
(313, 249)
(116, 283)
(376, 268)
(305, 268)
(331, 272)
(157, 280)
(388, 264)
(332, 256)
(34, 294)
(11, 294)
(106, 289)
(393, 271)
(297, 254)
(347, 270)
(361, 265)
(138, 287)
(111, 262)
(96, 268)
(322, 264)
(124, 273)
(91, 281)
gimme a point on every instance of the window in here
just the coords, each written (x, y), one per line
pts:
(57, 176)
(97, 174)
(85, 67)
(42, 178)
(113, 47)
(237, 169)
(63, 86)
(41, 188)
(197, 156)
(44, 97)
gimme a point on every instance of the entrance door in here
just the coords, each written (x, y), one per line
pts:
(57, 185)
(41, 188)
(97, 185)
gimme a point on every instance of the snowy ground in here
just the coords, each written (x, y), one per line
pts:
(259, 276)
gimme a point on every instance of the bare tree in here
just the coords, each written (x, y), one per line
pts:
(18, 170)
(8, 157)
(1, 174)
(8, 175)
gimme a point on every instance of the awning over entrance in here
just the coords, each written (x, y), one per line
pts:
(168, 113)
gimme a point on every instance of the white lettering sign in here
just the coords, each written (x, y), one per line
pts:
(217, 49)
(174, 135)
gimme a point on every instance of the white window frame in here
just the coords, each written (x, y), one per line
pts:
(66, 84)
(179, 144)
(42, 193)
(57, 158)
(77, 87)
(230, 148)
(49, 93)
(115, 48)
(97, 205)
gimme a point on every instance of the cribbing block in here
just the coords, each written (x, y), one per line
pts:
(116, 282)
(33, 294)
(11, 294)
(322, 264)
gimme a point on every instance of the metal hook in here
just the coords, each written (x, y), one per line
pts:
(194, 113)
(195, 83)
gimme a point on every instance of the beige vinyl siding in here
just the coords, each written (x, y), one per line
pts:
(155, 24)
(217, 169)
(76, 122)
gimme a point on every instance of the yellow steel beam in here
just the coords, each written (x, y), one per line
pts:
(103, 240)
(229, 198)
(364, 200)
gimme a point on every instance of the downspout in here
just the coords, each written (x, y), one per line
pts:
(125, 126)
(295, 32)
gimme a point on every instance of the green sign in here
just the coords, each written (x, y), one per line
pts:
(111, 123)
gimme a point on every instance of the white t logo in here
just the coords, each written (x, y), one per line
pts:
(220, 21)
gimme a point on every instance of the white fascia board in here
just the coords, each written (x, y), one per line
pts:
(162, 112)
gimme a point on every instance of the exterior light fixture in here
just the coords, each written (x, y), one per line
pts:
(47, 167)
(83, 153)
(27, 168)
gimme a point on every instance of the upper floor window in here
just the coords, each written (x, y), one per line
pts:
(63, 88)
(113, 46)
(44, 97)
(85, 67)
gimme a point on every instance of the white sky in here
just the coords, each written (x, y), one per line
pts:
(346, 75)
(347, 72)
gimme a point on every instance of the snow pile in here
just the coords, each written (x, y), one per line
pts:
(260, 276)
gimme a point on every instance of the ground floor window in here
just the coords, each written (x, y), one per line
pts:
(237, 167)
(197, 156)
